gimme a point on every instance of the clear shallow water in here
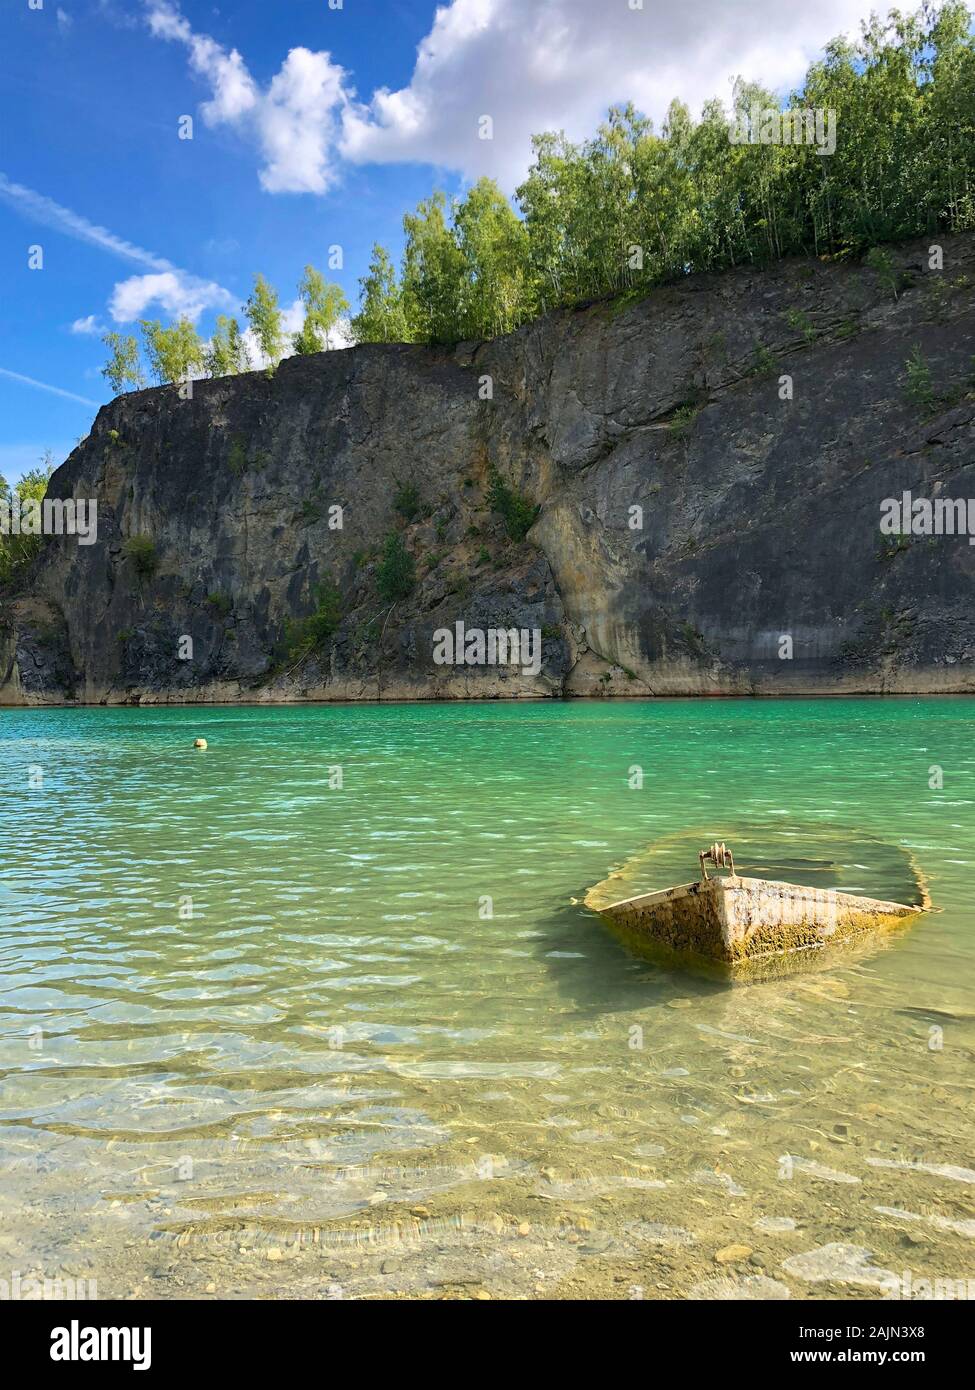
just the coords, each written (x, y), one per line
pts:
(331, 1073)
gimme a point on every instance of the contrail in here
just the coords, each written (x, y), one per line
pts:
(43, 386)
(52, 214)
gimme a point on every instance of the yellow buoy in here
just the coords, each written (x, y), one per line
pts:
(199, 743)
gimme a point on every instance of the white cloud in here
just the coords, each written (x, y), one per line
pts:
(111, 11)
(234, 90)
(64, 20)
(553, 64)
(87, 325)
(177, 294)
(560, 64)
(298, 123)
(295, 120)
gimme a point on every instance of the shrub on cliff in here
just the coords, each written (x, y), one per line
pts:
(396, 572)
(17, 550)
(516, 511)
(305, 635)
(141, 550)
(407, 501)
(919, 388)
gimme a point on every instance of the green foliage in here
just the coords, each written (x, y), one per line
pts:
(919, 389)
(17, 551)
(237, 456)
(763, 361)
(517, 512)
(122, 369)
(461, 586)
(801, 323)
(226, 353)
(433, 274)
(682, 421)
(266, 321)
(892, 546)
(173, 352)
(406, 501)
(881, 263)
(632, 207)
(381, 318)
(141, 550)
(396, 571)
(324, 305)
(493, 246)
(220, 602)
(306, 635)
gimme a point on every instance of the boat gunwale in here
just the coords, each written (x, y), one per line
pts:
(747, 882)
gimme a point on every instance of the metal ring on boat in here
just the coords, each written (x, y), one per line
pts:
(719, 855)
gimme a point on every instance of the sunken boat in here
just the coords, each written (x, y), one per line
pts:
(743, 925)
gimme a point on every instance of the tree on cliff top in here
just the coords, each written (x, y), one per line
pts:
(324, 304)
(174, 352)
(266, 321)
(122, 368)
(226, 353)
(381, 318)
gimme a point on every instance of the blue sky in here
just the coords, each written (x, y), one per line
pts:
(313, 126)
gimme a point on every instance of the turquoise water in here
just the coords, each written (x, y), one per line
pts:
(265, 1034)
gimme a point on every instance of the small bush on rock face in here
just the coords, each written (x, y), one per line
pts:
(763, 360)
(881, 264)
(682, 421)
(396, 574)
(221, 602)
(141, 550)
(407, 501)
(920, 391)
(517, 512)
(801, 323)
(237, 457)
(305, 635)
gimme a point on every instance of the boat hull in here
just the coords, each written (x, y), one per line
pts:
(736, 922)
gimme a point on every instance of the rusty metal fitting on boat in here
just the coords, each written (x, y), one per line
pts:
(719, 855)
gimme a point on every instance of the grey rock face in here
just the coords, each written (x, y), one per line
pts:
(692, 517)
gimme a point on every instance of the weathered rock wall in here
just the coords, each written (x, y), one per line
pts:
(760, 515)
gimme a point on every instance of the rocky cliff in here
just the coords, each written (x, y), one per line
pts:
(708, 466)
